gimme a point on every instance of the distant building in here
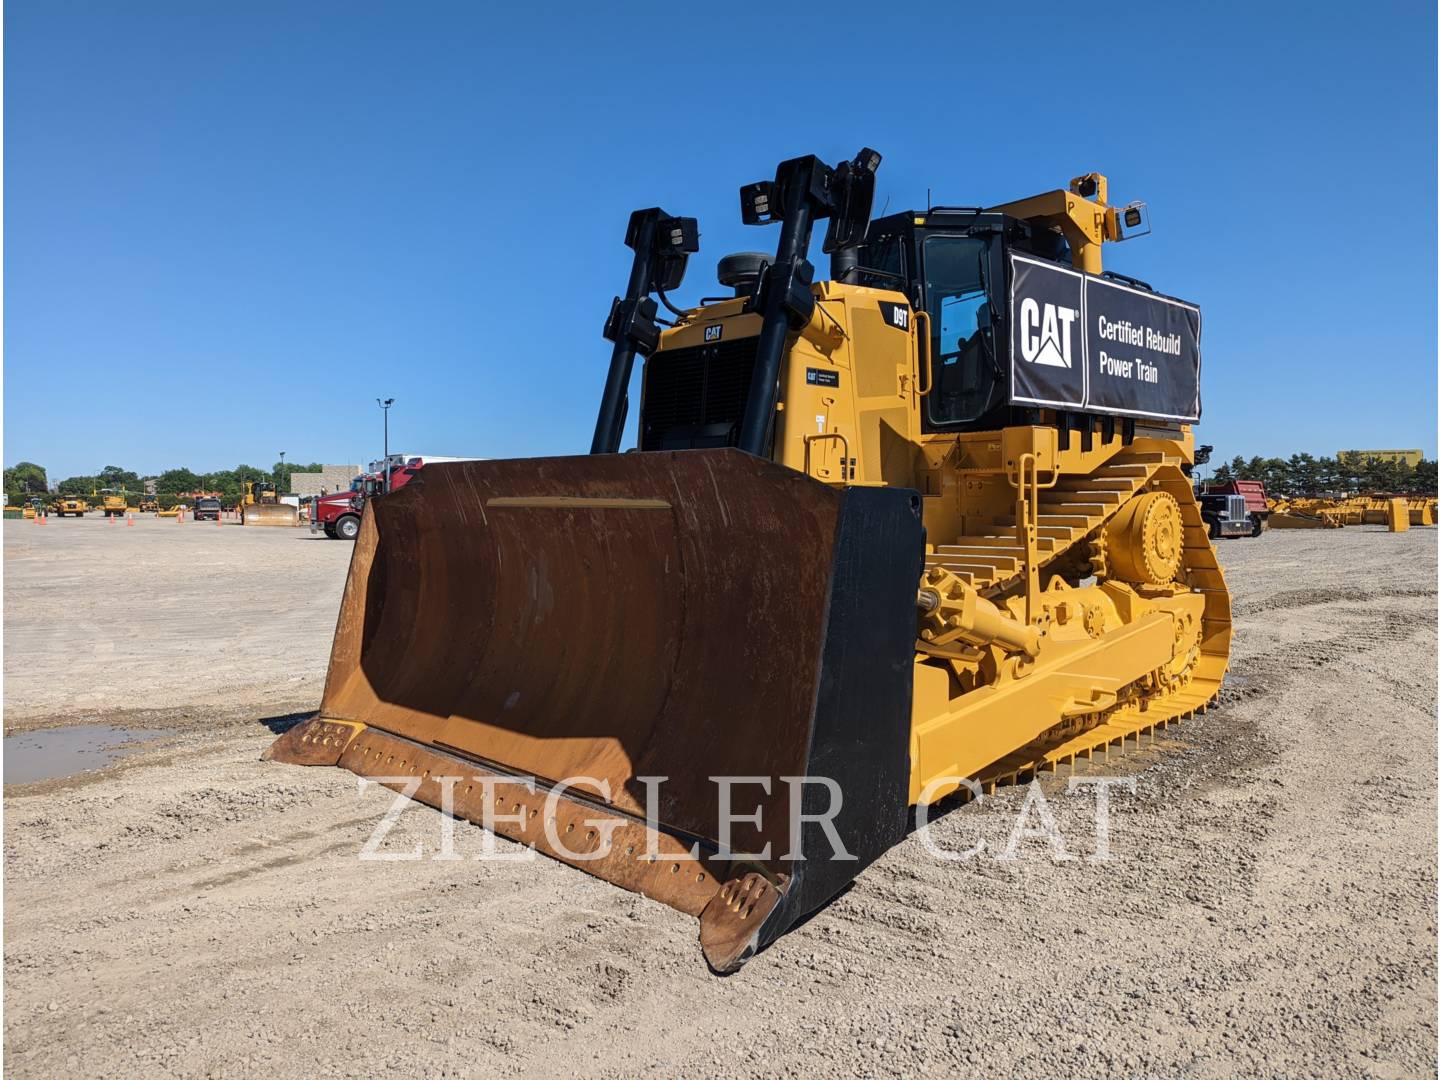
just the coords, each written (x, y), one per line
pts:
(1409, 457)
(327, 481)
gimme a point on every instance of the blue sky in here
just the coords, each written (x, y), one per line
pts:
(230, 226)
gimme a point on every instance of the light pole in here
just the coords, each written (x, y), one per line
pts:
(385, 410)
(280, 480)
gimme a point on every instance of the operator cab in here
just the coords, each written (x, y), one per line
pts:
(1094, 352)
(950, 262)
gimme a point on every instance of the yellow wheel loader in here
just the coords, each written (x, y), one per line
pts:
(912, 531)
(260, 505)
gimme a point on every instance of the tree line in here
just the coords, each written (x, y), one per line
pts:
(26, 479)
(1303, 476)
(1299, 476)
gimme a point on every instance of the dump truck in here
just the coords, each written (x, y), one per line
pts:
(885, 539)
(1226, 516)
(114, 502)
(261, 505)
(1257, 506)
(73, 505)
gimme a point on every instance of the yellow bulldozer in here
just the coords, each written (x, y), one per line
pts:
(261, 505)
(886, 538)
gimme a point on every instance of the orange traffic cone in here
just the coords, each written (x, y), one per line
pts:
(130, 521)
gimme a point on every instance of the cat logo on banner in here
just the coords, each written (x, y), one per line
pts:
(1045, 333)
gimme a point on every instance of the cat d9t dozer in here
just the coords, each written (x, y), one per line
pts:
(915, 530)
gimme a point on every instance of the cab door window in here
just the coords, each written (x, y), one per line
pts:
(963, 373)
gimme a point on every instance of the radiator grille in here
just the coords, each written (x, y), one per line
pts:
(694, 398)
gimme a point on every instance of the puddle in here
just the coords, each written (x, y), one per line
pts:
(64, 751)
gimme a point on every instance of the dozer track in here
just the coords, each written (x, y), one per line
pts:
(1072, 516)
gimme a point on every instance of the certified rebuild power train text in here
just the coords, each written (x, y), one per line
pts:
(915, 529)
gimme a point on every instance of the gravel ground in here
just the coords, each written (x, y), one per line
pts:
(1268, 907)
(101, 617)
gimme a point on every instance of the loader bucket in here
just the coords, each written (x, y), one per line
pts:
(510, 626)
(269, 514)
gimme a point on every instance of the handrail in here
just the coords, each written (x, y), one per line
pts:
(844, 451)
(1027, 521)
(923, 365)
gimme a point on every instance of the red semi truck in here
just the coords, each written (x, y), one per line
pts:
(339, 514)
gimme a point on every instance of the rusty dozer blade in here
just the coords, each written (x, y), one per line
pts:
(620, 618)
(269, 514)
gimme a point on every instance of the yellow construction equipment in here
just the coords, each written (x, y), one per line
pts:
(1397, 516)
(33, 507)
(114, 502)
(1304, 514)
(914, 530)
(260, 505)
(172, 511)
(1357, 510)
(69, 504)
(149, 504)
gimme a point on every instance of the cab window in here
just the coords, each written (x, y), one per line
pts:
(962, 368)
(882, 263)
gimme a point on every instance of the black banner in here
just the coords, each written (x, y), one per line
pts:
(1088, 343)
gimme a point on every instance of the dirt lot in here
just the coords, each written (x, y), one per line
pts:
(1268, 908)
(101, 616)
